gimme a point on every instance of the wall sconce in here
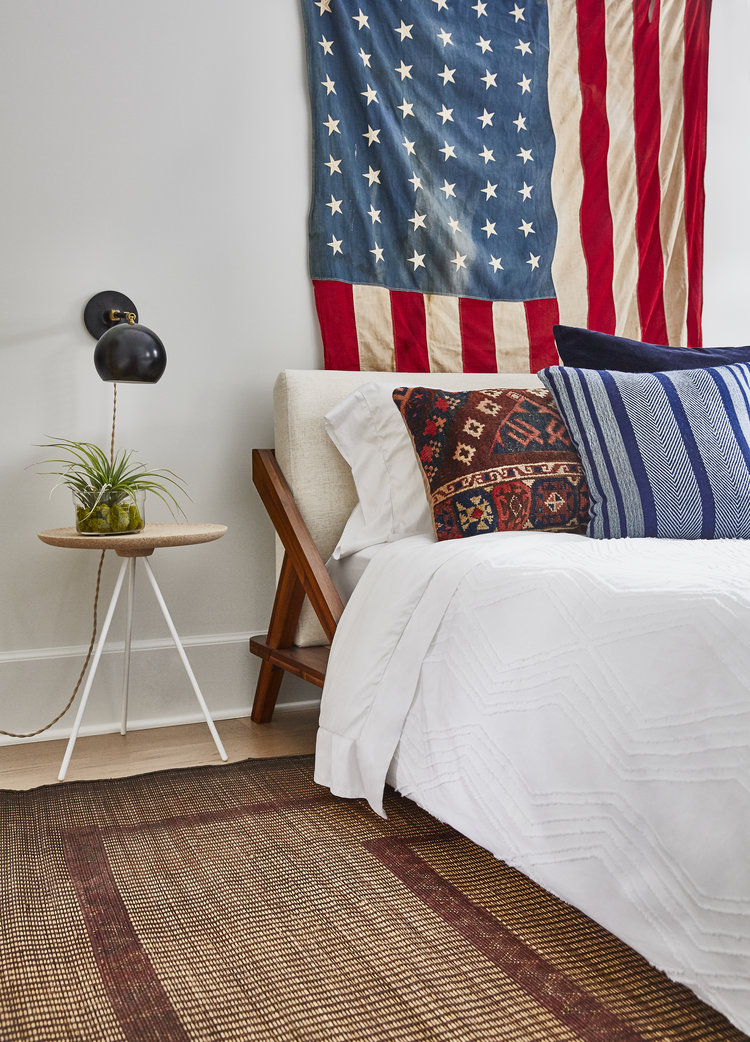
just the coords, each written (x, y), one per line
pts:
(125, 352)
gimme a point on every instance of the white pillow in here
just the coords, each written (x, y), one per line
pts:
(367, 429)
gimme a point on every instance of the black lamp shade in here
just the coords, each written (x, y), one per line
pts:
(130, 353)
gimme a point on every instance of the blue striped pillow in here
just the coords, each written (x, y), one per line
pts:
(665, 454)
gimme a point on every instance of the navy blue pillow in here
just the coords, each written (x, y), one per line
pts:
(587, 349)
(665, 454)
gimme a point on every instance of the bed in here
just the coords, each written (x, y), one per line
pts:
(580, 707)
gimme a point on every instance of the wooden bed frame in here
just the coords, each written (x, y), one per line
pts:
(308, 491)
(303, 573)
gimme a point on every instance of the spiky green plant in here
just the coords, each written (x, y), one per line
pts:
(105, 489)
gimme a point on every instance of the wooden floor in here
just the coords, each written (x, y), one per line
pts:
(27, 765)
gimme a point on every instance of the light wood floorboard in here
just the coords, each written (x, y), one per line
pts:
(291, 732)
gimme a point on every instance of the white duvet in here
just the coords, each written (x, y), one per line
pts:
(579, 707)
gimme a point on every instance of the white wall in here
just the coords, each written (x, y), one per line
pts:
(726, 310)
(160, 147)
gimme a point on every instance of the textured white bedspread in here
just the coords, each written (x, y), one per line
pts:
(579, 707)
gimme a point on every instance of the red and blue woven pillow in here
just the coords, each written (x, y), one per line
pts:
(495, 460)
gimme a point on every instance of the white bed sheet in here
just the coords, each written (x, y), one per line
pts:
(347, 571)
(581, 708)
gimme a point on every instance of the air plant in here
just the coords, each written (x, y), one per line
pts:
(106, 490)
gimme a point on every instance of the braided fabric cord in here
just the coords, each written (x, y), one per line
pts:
(41, 730)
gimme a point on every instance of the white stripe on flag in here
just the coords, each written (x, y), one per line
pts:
(443, 333)
(623, 188)
(511, 336)
(569, 265)
(372, 317)
(672, 171)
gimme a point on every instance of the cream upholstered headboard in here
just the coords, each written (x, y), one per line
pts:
(318, 476)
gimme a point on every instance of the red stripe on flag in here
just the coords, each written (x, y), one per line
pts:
(335, 305)
(595, 214)
(541, 316)
(647, 143)
(409, 332)
(477, 335)
(695, 92)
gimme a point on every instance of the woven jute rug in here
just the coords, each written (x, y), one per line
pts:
(244, 902)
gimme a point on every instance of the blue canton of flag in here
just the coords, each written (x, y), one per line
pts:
(433, 146)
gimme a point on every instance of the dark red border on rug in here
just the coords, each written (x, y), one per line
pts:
(547, 985)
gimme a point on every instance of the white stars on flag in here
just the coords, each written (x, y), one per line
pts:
(449, 67)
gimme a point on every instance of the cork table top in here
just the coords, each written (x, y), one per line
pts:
(135, 544)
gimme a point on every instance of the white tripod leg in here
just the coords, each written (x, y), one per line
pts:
(128, 639)
(92, 672)
(186, 664)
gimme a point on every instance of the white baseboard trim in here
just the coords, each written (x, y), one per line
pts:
(118, 646)
(240, 712)
(40, 664)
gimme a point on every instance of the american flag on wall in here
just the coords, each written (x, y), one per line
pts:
(482, 170)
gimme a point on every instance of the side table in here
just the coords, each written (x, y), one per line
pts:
(131, 547)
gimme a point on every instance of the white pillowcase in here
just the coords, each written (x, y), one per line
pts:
(367, 429)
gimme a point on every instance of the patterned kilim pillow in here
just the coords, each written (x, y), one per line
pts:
(495, 460)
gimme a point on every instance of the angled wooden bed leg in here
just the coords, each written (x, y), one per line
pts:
(286, 608)
(303, 574)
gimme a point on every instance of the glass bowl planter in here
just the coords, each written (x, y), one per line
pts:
(116, 513)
